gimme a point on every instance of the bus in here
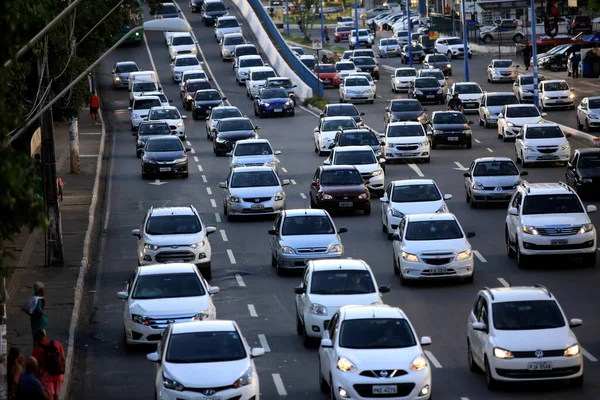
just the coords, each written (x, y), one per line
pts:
(135, 19)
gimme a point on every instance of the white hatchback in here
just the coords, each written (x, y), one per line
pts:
(542, 143)
(405, 141)
(325, 132)
(225, 25)
(363, 158)
(184, 63)
(556, 94)
(180, 44)
(401, 78)
(356, 88)
(257, 78)
(513, 116)
(171, 116)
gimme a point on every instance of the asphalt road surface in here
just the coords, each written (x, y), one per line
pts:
(263, 303)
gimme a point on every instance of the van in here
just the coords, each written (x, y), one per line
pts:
(141, 82)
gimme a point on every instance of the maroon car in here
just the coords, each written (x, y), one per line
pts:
(339, 187)
(341, 34)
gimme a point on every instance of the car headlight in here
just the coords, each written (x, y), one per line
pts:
(189, 97)
(573, 350)
(152, 247)
(586, 228)
(571, 96)
(442, 209)
(439, 91)
(565, 147)
(363, 196)
(396, 213)
(138, 319)
(503, 354)
(180, 160)
(271, 164)
(117, 79)
(201, 316)
(279, 196)
(593, 116)
(243, 73)
(244, 380)
(463, 255)
(266, 105)
(478, 186)
(466, 132)
(148, 161)
(289, 104)
(136, 116)
(233, 198)
(335, 248)
(327, 197)
(255, 85)
(377, 172)
(236, 165)
(388, 144)
(509, 124)
(527, 148)
(419, 92)
(287, 250)
(398, 81)
(220, 140)
(438, 132)
(170, 383)
(448, 66)
(410, 257)
(197, 245)
(530, 230)
(317, 309)
(546, 98)
(419, 363)
(179, 124)
(345, 365)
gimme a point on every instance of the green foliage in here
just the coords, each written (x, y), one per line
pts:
(593, 5)
(319, 102)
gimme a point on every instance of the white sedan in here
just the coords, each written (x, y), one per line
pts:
(356, 89)
(325, 132)
(171, 116)
(401, 78)
(184, 63)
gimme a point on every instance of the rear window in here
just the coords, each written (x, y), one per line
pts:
(262, 75)
(246, 51)
(182, 40)
(146, 104)
(325, 68)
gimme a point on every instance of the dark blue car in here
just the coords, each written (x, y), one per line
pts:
(273, 101)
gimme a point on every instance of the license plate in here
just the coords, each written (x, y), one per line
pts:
(539, 366)
(278, 110)
(498, 195)
(430, 96)
(559, 241)
(326, 80)
(257, 206)
(385, 389)
(346, 204)
(470, 105)
(453, 139)
(165, 169)
(560, 101)
(438, 270)
(546, 157)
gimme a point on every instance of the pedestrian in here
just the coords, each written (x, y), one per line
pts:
(30, 387)
(94, 106)
(326, 34)
(39, 320)
(51, 358)
(527, 57)
(14, 370)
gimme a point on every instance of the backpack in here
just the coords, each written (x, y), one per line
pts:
(30, 305)
(53, 359)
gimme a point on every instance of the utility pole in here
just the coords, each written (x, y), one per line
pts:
(3, 341)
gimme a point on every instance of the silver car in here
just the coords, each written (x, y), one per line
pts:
(217, 114)
(491, 180)
(228, 44)
(301, 235)
(121, 71)
(254, 153)
(252, 191)
(491, 105)
(388, 48)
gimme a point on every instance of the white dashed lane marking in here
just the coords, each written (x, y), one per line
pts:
(263, 343)
(231, 257)
(283, 170)
(293, 181)
(490, 150)
(200, 168)
(217, 217)
(196, 159)
(303, 196)
(209, 190)
(252, 310)
(503, 282)
(240, 280)
(279, 384)
(477, 141)
(433, 360)
(213, 203)
(224, 235)
(588, 355)
(193, 151)
(415, 168)
(204, 179)
(479, 256)
(188, 143)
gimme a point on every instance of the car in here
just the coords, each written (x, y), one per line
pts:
(432, 246)
(410, 196)
(301, 235)
(404, 110)
(340, 187)
(438, 61)
(172, 117)
(345, 68)
(452, 47)
(364, 39)
(247, 49)
(521, 334)
(252, 191)
(309, 60)
(491, 180)
(225, 25)
(325, 132)
(435, 73)
(298, 50)
(192, 74)
(327, 74)
(583, 172)
(542, 143)
(328, 285)
(164, 155)
(346, 21)
(188, 92)
(376, 12)
(343, 110)
(549, 219)
(401, 36)
(426, 89)
(367, 64)
(161, 96)
(141, 82)
(257, 77)
(361, 343)
(514, 116)
(228, 44)
(182, 63)
(120, 73)
(523, 87)
(147, 130)
(450, 128)
(160, 294)
(388, 48)
(243, 65)
(418, 54)
(341, 34)
(356, 89)
(347, 55)
(229, 130)
(369, 77)
(580, 24)
(363, 53)
(469, 93)
(284, 83)
(254, 153)
(556, 93)
(167, 10)
(406, 141)
(401, 78)
(504, 33)
(358, 137)
(212, 10)
(491, 105)
(500, 70)
(218, 113)
(181, 43)
(140, 108)
(363, 157)
(273, 101)
(204, 101)
(213, 352)
(196, 5)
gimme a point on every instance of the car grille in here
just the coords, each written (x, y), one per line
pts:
(312, 250)
(165, 162)
(403, 390)
(258, 211)
(531, 354)
(494, 187)
(547, 150)
(558, 97)
(384, 373)
(407, 147)
(184, 52)
(461, 50)
(526, 374)
(437, 261)
(559, 230)
(173, 127)
(175, 256)
(201, 390)
(161, 322)
(256, 199)
(254, 164)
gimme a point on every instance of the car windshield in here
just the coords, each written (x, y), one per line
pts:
(307, 225)
(235, 40)
(253, 149)
(182, 40)
(225, 113)
(228, 23)
(439, 75)
(406, 72)
(274, 94)
(168, 9)
(246, 51)
(200, 85)
(360, 157)
(342, 111)
(415, 193)
(445, 229)
(522, 112)
(345, 66)
(145, 104)
(552, 204)
(125, 68)
(376, 333)
(165, 286)
(207, 95)
(173, 225)
(262, 75)
(299, 50)
(502, 100)
(526, 80)
(205, 347)
(325, 68)
(215, 6)
(341, 282)
(365, 75)
(495, 168)
(427, 83)
(154, 129)
(388, 42)
(439, 58)
(195, 75)
(467, 89)
(402, 33)
(170, 113)
(405, 131)
(527, 315)
(284, 83)
(363, 61)
(343, 177)
(366, 138)
(254, 179)
(363, 53)
(158, 146)
(503, 64)
(543, 132)
(554, 86)
(235, 125)
(253, 62)
(455, 41)
(356, 82)
(449, 118)
(594, 104)
(589, 161)
(186, 61)
(340, 29)
(309, 62)
(340, 124)
(144, 87)
(406, 105)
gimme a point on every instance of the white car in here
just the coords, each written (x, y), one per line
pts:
(588, 113)
(556, 93)
(328, 285)
(191, 74)
(469, 93)
(325, 132)
(140, 108)
(406, 141)
(257, 78)
(254, 153)
(213, 355)
(362, 351)
(228, 44)
(523, 87)
(491, 106)
(171, 116)
(181, 43)
(217, 114)
(363, 158)
(435, 73)
(432, 246)
(401, 78)
(513, 116)
(243, 65)
(542, 143)
(345, 68)
(453, 47)
(184, 63)
(346, 21)
(365, 38)
(356, 89)
(388, 48)
(410, 196)
(521, 334)
(500, 70)
(369, 78)
(226, 25)
(160, 294)
(309, 60)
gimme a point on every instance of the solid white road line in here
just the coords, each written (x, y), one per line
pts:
(479, 256)
(188, 143)
(303, 196)
(217, 217)
(503, 282)
(279, 384)
(588, 355)
(213, 203)
(252, 310)
(415, 168)
(477, 141)
(152, 60)
(263, 342)
(208, 190)
(224, 235)
(293, 182)
(231, 257)
(200, 168)
(490, 150)
(196, 159)
(283, 170)
(240, 280)
(433, 360)
(204, 179)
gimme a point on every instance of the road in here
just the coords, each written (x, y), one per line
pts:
(263, 303)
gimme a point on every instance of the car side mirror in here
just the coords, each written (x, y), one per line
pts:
(272, 232)
(544, 114)
(344, 230)
(362, 113)
(331, 146)
(122, 295)
(467, 175)
(471, 122)
(382, 161)
(153, 357)
(185, 117)
(524, 173)
(385, 289)
(285, 182)
(229, 154)
(129, 108)
(396, 236)
(321, 115)
(470, 234)
(223, 185)
(500, 116)
(224, 98)
(210, 230)
(213, 289)
(257, 352)
(327, 162)
(575, 322)
(136, 233)
(326, 343)
(479, 326)
(316, 130)
(299, 290)
(257, 128)
(277, 152)
(591, 208)
(188, 149)
(513, 211)
(384, 199)
(425, 341)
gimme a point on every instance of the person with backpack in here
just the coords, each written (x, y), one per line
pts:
(51, 358)
(35, 307)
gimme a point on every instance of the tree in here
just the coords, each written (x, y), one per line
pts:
(307, 10)
(593, 5)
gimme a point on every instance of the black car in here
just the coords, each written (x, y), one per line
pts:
(190, 88)
(273, 101)
(418, 54)
(212, 10)
(148, 129)
(367, 64)
(230, 130)
(358, 137)
(580, 24)
(404, 110)
(167, 10)
(343, 110)
(204, 101)
(426, 89)
(450, 128)
(583, 172)
(164, 155)
(196, 5)
(440, 61)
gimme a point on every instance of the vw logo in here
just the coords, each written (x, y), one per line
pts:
(174, 247)
(498, 189)
(383, 374)
(539, 353)
(257, 200)
(559, 230)
(209, 392)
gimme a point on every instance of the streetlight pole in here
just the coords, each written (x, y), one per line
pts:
(322, 25)
(356, 22)
(410, 56)
(465, 41)
(536, 95)
(287, 17)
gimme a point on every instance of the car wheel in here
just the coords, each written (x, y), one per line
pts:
(473, 204)
(449, 54)
(371, 101)
(138, 154)
(480, 121)
(128, 346)
(487, 39)
(522, 260)
(396, 268)
(470, 144)
(518, 38)
(491, 383)
(298, 325)
(323, 386)
(433, 146)
(589, 260)
(510, 252)
(403, 280)
(486, 124)
(470, 361)
(195, 116)
(331, 386)
(523, 163)
(186, 174)
(279, 270)
(586, 127)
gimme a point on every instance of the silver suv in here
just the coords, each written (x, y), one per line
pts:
(174, 234)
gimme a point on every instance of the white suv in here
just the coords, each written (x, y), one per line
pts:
(363, 158)
(174, 234)
(452, 47)
(549, 219)
(521, 334)
(257, 78)
(542, 143)
(556, 93)
(513, 116)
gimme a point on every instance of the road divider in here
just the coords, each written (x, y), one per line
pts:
(490, 150)
(283, 170)
(200, 167)
(293, 182)
(196, 159)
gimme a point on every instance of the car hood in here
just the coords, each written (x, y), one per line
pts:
(123, 74)
(170, 121)
(500, 70)
(174, 240)
(233, 29)
(428, 89)
(235, 135)
(212, 103)
(406, 139)
(527, 88)
(364, 168)
(450, 127)
(141, 113)
(506, 180)
(378, 359)
(432, 246)
(299, 241)
(334, 301)
(546, 142)
(494, 109)
(207, 375)
(328, 136)
(536, 339)
(523, 121)
(349, 190)
(540, 220)
(438, 64)
(182, 68)
(219, 13)
(389, 47)
(260, 191)
(366, 68)
(278, 100)
(183, 47)
(405, 78)
(166, 307)
(406, 115)
(418, 207)
(163, 155)
(557, 93)
(258, 159)
(470, 96)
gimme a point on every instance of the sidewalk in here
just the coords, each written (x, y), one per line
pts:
(29, 249)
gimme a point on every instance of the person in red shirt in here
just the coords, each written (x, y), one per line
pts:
(94, 106)
(51, 358)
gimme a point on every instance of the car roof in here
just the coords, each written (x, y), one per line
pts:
(251, 169)
(218, 325)
(171, 268)
(554, 81)
(430, 217)
(411, 182)
(466, 83)
(339, 264)
(352, 76)
(371, 311)
(340, 105)
(588, 150)
(356, 130)
(225, 17)
(157, 122)
(245, 44)
(344, 62)
(541, 125)
(339, 117)
(303, 211)
(248, 56)
(127, 63)
(236, 119)
(251, 141)
(404, 100)
(352, 148)
(405, 123)
(197, 80)
(520, 105)
(518, 293)
(278, 78)
(493, 94)
(451, 37)
(194, 71)
(186, 56)
(225, 108)
(146, 97)
(545, 188)
(165, 211)
(502, 59)
(164, 108)
(261, 69)
(488, 159)
(180, 34)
